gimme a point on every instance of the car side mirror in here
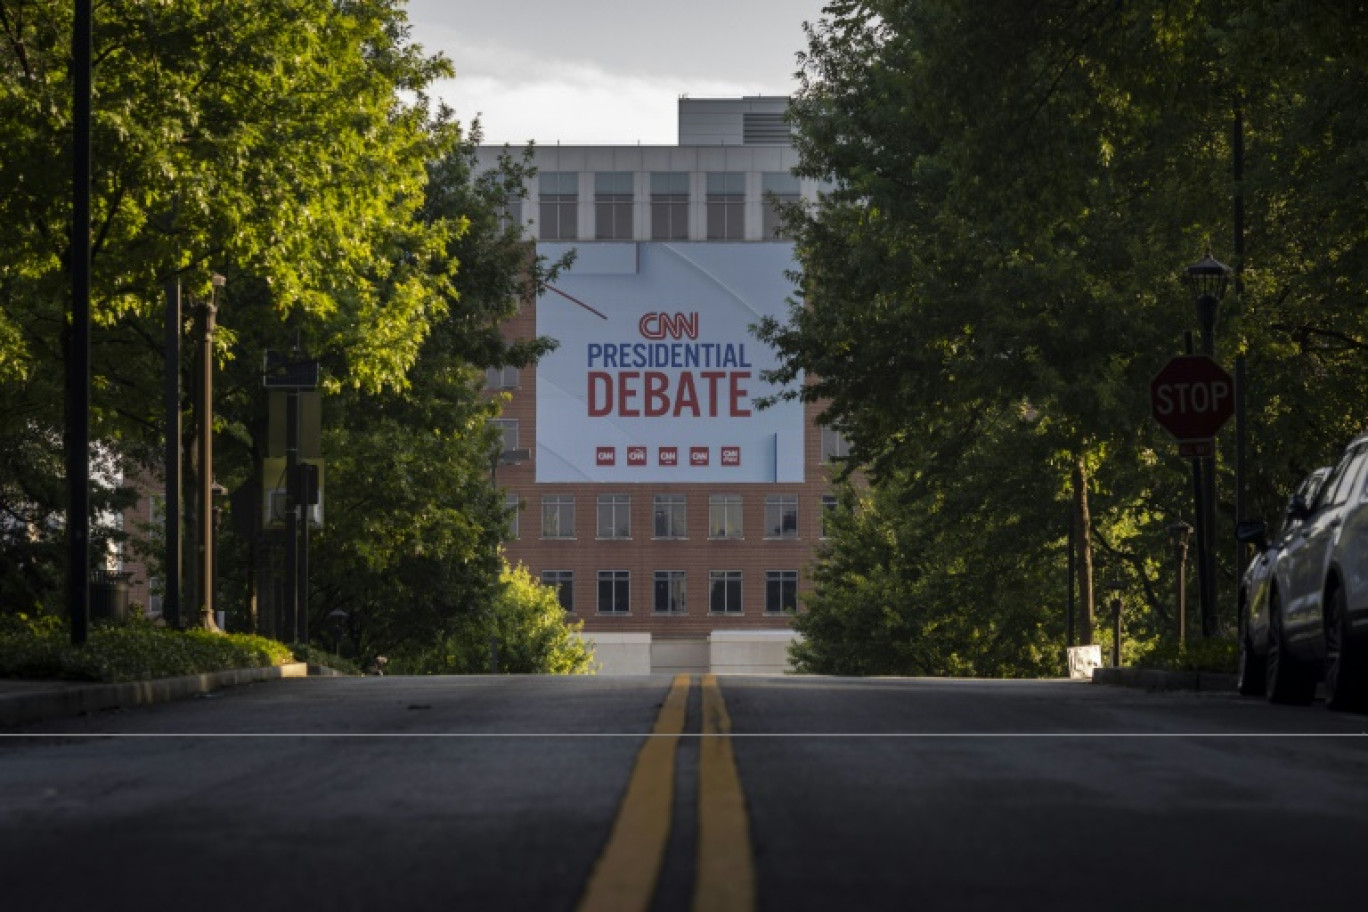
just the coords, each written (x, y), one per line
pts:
(1252, 532)
(1297, 507)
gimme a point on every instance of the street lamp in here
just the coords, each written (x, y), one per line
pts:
(1179, 533)
(1207, 279)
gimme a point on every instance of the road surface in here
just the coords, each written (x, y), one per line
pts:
(664, 793)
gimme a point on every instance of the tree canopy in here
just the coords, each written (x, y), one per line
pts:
(993, 279)
(290, 146)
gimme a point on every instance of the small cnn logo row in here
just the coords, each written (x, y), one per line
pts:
(668, 456)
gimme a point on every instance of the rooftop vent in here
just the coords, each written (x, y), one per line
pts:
(764, 128)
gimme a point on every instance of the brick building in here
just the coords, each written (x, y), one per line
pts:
(677, 518)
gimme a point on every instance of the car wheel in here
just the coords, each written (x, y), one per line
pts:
(1344, 672)
(1287, 680)
(1251, 672)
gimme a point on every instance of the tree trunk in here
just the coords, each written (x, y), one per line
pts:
(1085, 563)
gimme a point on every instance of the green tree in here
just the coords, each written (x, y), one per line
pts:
(282, 144)
(1002, 241)
(524, 629)
(414, 521)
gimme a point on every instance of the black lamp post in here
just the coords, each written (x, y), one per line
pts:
(1208, 279)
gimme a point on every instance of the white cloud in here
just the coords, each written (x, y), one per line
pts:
(519, 97)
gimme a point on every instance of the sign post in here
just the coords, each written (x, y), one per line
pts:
(1192, 397)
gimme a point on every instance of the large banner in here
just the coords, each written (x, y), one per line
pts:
(657, 373)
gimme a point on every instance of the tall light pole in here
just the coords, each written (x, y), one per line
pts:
(78, 335)
(1208, 279)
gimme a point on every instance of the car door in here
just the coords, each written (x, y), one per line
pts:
(1351, 553)
(1310, 549)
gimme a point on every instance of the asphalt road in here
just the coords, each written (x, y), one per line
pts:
(769, 793)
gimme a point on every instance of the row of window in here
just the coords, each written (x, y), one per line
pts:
(668, 195)
(669, 516)
(669, 591)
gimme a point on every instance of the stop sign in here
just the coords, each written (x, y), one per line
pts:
(1191, 397)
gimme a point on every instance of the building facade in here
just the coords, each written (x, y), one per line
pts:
(675, 516)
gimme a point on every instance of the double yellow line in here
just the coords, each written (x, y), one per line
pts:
(624, 879)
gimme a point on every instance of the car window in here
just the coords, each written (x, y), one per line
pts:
(1310, 485)
(1338, 485)
(1328, 489)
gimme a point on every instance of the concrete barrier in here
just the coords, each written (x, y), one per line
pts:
(620, 653)
(750, 651)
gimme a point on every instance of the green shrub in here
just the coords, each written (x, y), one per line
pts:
(1210, 654)
(40, 648)
(315, 656)
(528, 625)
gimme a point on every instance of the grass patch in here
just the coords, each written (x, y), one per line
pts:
(40, 648)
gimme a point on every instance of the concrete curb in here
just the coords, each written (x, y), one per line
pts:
(1156, 679)
(58, 699)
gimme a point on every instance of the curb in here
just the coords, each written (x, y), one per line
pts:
(63, 699)
(1157, 679)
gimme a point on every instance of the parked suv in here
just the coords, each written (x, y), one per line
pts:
(1256, 584)
(1305, 597)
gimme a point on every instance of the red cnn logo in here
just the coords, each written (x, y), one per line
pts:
(636, 456)
(698, 456)
(605, 456)
(669, 456)
(731, 456)
(662, 325)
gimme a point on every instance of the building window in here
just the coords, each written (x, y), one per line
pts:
(670, 510)
(508, 433)
(724, 591)
(724, 516)
(615, 516)
(501, 378)
(781, 591)
(778, 188)
(669, 592)
(614, 591)
(563, 581)
(613, 197)
(559, 205)
(834, 445)
(781, 516)
(558, 516)
(512, 509)
(828, 510)
(726, 206)
(669, 206)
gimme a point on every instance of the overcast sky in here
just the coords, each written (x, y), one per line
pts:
(606, 72)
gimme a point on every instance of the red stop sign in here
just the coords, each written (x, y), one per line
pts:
(1191, 397)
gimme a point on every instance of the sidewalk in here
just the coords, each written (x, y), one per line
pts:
(31, 701)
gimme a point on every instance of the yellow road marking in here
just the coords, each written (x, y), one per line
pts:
(725, 879)
(624, 879)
